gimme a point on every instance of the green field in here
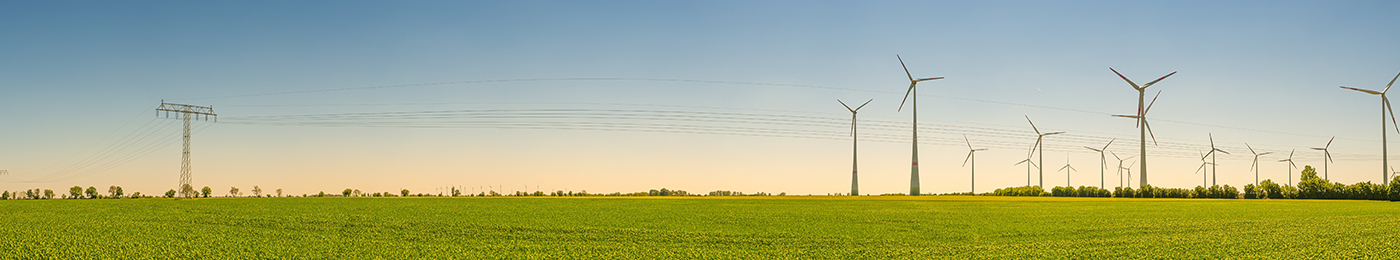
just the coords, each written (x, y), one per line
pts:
(692, 227)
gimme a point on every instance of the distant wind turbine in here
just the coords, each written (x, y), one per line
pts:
(1069, 170)
(1120, 167)
(1129, 170)
(1203, 169)
(1103, 160)
(1290, 166)
(1039, 145)
(1029, 164)
(1255, 165)
(971, 155)
(1211, 153)
(1327, 156)
(914, 168)
(1143, 128)
(1385, 106)
(855, 182)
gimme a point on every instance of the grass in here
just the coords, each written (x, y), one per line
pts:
(698, 228)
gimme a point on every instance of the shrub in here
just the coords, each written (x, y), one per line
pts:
(1020, 191)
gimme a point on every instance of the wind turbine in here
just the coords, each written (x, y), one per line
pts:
(971, 156)
(1120, 167)
(1129, 169)
(1202, 170)
(1067, 169)
(1143, 127)
(1029, 164)
(1385, 106)
(1290, 166)
(1041, 146)
(914, 168)
(855, 187)
(1255, 165)
(1211, 153)
(1327, 156)
(1103, 162)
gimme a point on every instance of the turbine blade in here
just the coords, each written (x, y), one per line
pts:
(1328, 154)
(969, 143)
(867, 102)
(1329, 142)
(1115, 156)
(906, 68)
(1362, 90)
(1223, 151)
(1149, 132)
(1392, 113)
(1392, 82)
(1094, 149)
(1149, 84)
(1265, 153)
(969, 157)
(1063, 168)
(927, 79)
(1127, 116)
(1110, 142)
(1036, 145)
(1120, 75)
(844, 105)
(1037, 131)
(1203, 167)
(906, 96)
(1149, 105)
(1251, 149)
(1054, 133)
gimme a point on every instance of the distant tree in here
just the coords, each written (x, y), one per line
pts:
(48, 194)
(404, 192)
(346, 193)
(279, 192)
(136, 195)
(91, 192)
(257, 192)
(206, 191)
(356, 193)
(1308, 173)
(233, 192)
(170, 193)
(118, 194)
(112, 191)
(75, 192)
(5, 196)
(321, 194)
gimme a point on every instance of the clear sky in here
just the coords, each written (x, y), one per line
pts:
(700, 96)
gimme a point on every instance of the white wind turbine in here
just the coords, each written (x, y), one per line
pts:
(855, 183)
(1143, 128)
(1040, 146)
(1327, 156)
(1029, 164)
(1129, 169)
(914, 168)
(971, 155)
(1120, 167)
(1290, 166)
(1211, 153)
(1255, 165)
(1385, 106)
(1203, 169)
(1103, 160)
(1069, 170)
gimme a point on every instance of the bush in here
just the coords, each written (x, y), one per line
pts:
(1020, 191)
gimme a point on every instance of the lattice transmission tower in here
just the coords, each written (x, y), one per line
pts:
(186, 112)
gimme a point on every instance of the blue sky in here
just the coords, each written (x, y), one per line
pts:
(1263, 72)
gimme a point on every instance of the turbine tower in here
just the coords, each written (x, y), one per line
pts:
(1327, 156)
(1103, 160)
(1211, 153)
(1041, 146)
(1290, 166)
(1067, 169)
(855, 183)
(1385, 106)
(1255, 165)
(1143, 128)
(186, 112)
(913, 168)
(971, 156)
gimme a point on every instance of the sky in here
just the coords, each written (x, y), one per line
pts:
(693, 95)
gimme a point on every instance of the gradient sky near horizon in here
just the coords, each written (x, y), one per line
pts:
(698, 96)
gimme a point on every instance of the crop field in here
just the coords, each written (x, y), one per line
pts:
(696, 227)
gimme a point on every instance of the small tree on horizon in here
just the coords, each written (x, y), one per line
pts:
(404, 192)
(206, 191)
(170, 194)
(257, 192)
(279, 192)
(91, 192)
(75, 192)
(48, 194)
(233, 192)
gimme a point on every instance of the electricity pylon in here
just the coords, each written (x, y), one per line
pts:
(186, 112)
